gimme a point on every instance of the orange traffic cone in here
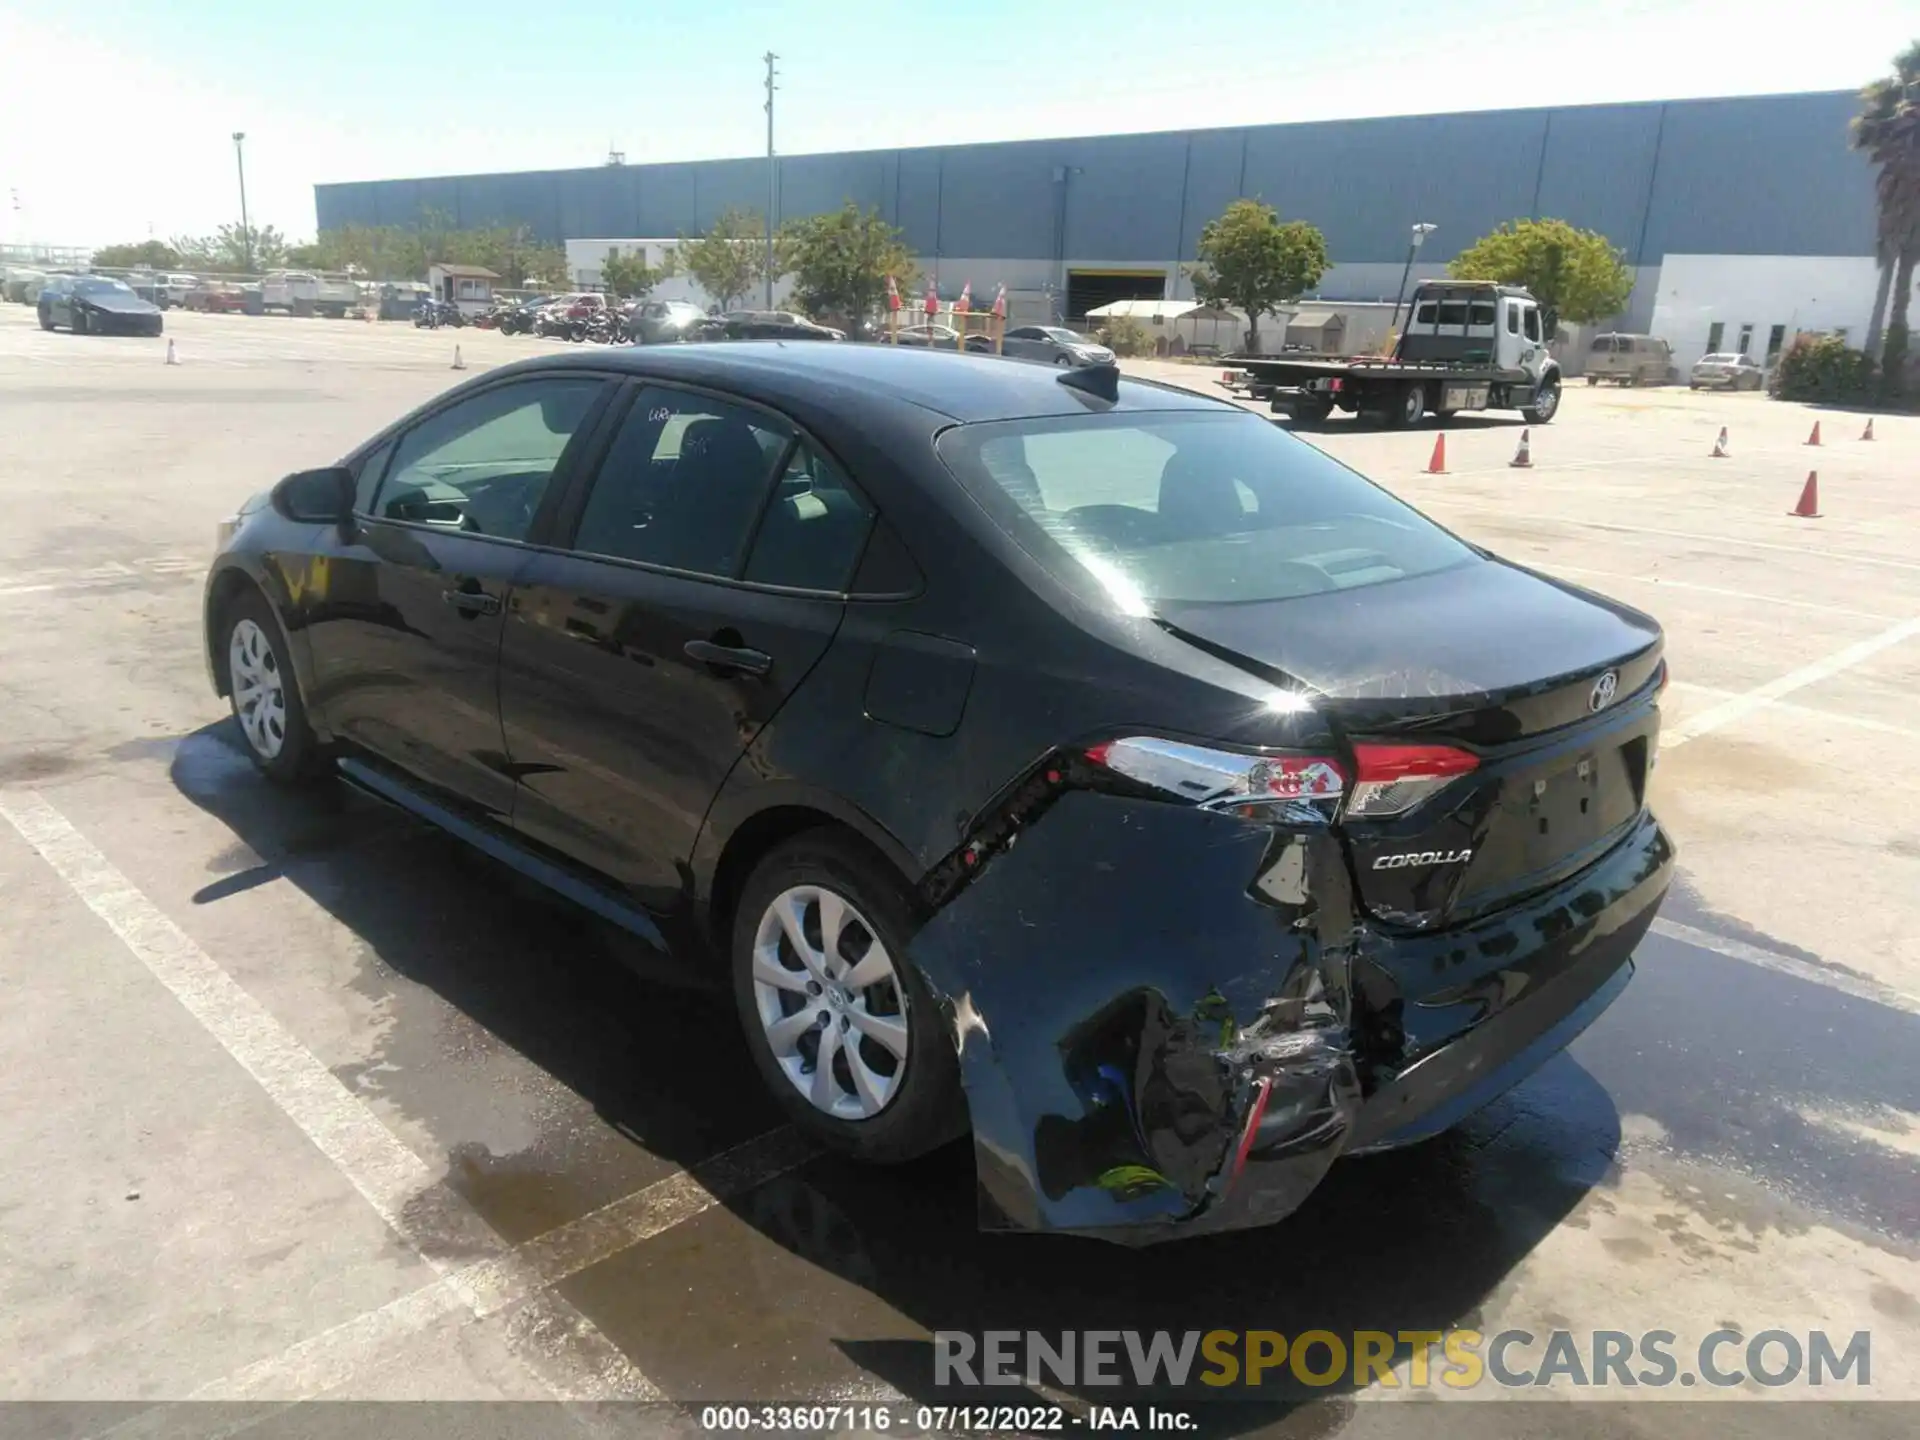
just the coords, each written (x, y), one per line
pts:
(1438, 464)
(1814, 438)
(1720, 446)
(1867, 434)
(1523, 457)
(1809, 506)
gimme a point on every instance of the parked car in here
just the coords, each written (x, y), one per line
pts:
(765, 325)
(178, 287)
(661, 321)
(1052, 344)
(1629, 360)
(216, 296)
(1726, 372)
(1330, 826)
(929, 336)
(15, 280)
(96, 305)
(148, 286)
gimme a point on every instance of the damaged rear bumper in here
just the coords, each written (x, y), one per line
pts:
(1173, 1021)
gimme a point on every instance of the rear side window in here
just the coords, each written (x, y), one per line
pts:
(1190, 508)
(814, 529)
(683, 483)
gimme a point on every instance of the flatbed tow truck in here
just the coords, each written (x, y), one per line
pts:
(1468, 345)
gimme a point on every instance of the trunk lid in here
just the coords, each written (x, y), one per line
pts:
(1551, 689)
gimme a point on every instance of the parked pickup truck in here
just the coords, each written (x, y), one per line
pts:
(1468, 345)
(299, 292)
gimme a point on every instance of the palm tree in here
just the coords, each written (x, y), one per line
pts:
(1888, 130)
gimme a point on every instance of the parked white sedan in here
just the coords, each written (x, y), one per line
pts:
(1726, 372)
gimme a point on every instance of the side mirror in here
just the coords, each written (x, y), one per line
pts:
(316, 497)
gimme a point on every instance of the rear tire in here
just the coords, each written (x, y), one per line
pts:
(853, 912)
(263, 691)
(1593, 379)
(1407, 407)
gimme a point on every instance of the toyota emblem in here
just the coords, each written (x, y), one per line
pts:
(1603, 691)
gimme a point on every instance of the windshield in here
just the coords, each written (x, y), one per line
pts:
(1719, 359)
(98, 286)
(1065, 337)
(1165, 507)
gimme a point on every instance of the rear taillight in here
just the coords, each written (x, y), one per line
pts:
(1391, 779)
(1223, 779)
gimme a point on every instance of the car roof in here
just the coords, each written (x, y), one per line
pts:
(960, 386)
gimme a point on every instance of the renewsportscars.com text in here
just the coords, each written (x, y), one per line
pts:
(1456, 1359)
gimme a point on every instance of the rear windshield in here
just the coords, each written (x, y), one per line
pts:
(1719, 359)
(1173, 507)
(1605, 344)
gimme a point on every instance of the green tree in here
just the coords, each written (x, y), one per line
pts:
(1887, 129)
(629, 276)
(840, 262)
(730, 259)
(1575, 274)
(231, 248)
(1251, 260)
(153, 254)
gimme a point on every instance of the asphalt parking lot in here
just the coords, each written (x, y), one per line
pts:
(305, 1101)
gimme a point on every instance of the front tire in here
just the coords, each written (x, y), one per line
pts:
(841, 1028)
(77, 321)
(1546, 403)
(263, 691)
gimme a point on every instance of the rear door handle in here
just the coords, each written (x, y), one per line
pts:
(729, 657)
(472, 602)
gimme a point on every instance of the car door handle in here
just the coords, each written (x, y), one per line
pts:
(472, 602)
(729, 657)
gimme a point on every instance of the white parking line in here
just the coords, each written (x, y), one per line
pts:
(430, 1217)
(490, 1286)
(1556, 568)
(1861, 987)
(1742, 705)
(1849, 556)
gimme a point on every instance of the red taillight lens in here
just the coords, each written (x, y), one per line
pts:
(1392, 779)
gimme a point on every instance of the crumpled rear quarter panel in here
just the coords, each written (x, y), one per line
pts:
(1120, 991)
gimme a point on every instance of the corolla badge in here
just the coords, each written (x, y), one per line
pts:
(1604, 689)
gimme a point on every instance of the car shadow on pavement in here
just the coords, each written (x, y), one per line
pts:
(1402, 1242)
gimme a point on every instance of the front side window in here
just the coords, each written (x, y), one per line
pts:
(483, 465)
(1532, 321)
(1182, 508)
(683, 483)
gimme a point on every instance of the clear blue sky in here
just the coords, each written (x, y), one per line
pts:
(147, 93)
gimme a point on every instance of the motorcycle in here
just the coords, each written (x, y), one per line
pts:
(432, 314)
(602, 327)
(555, 323)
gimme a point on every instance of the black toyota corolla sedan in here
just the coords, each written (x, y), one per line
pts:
(1069, 759)
(98, 305)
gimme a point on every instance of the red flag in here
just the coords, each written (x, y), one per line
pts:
(933, 300)
(965, 302)
(893, 295)
(1000, 303)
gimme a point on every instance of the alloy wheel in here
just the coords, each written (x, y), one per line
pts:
(830, 1003)
(259, 689)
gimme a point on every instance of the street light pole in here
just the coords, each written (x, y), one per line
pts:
(1420, 233)
(773, 191)
(246, 230)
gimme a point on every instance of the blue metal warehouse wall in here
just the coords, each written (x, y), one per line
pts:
(1760, 176)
